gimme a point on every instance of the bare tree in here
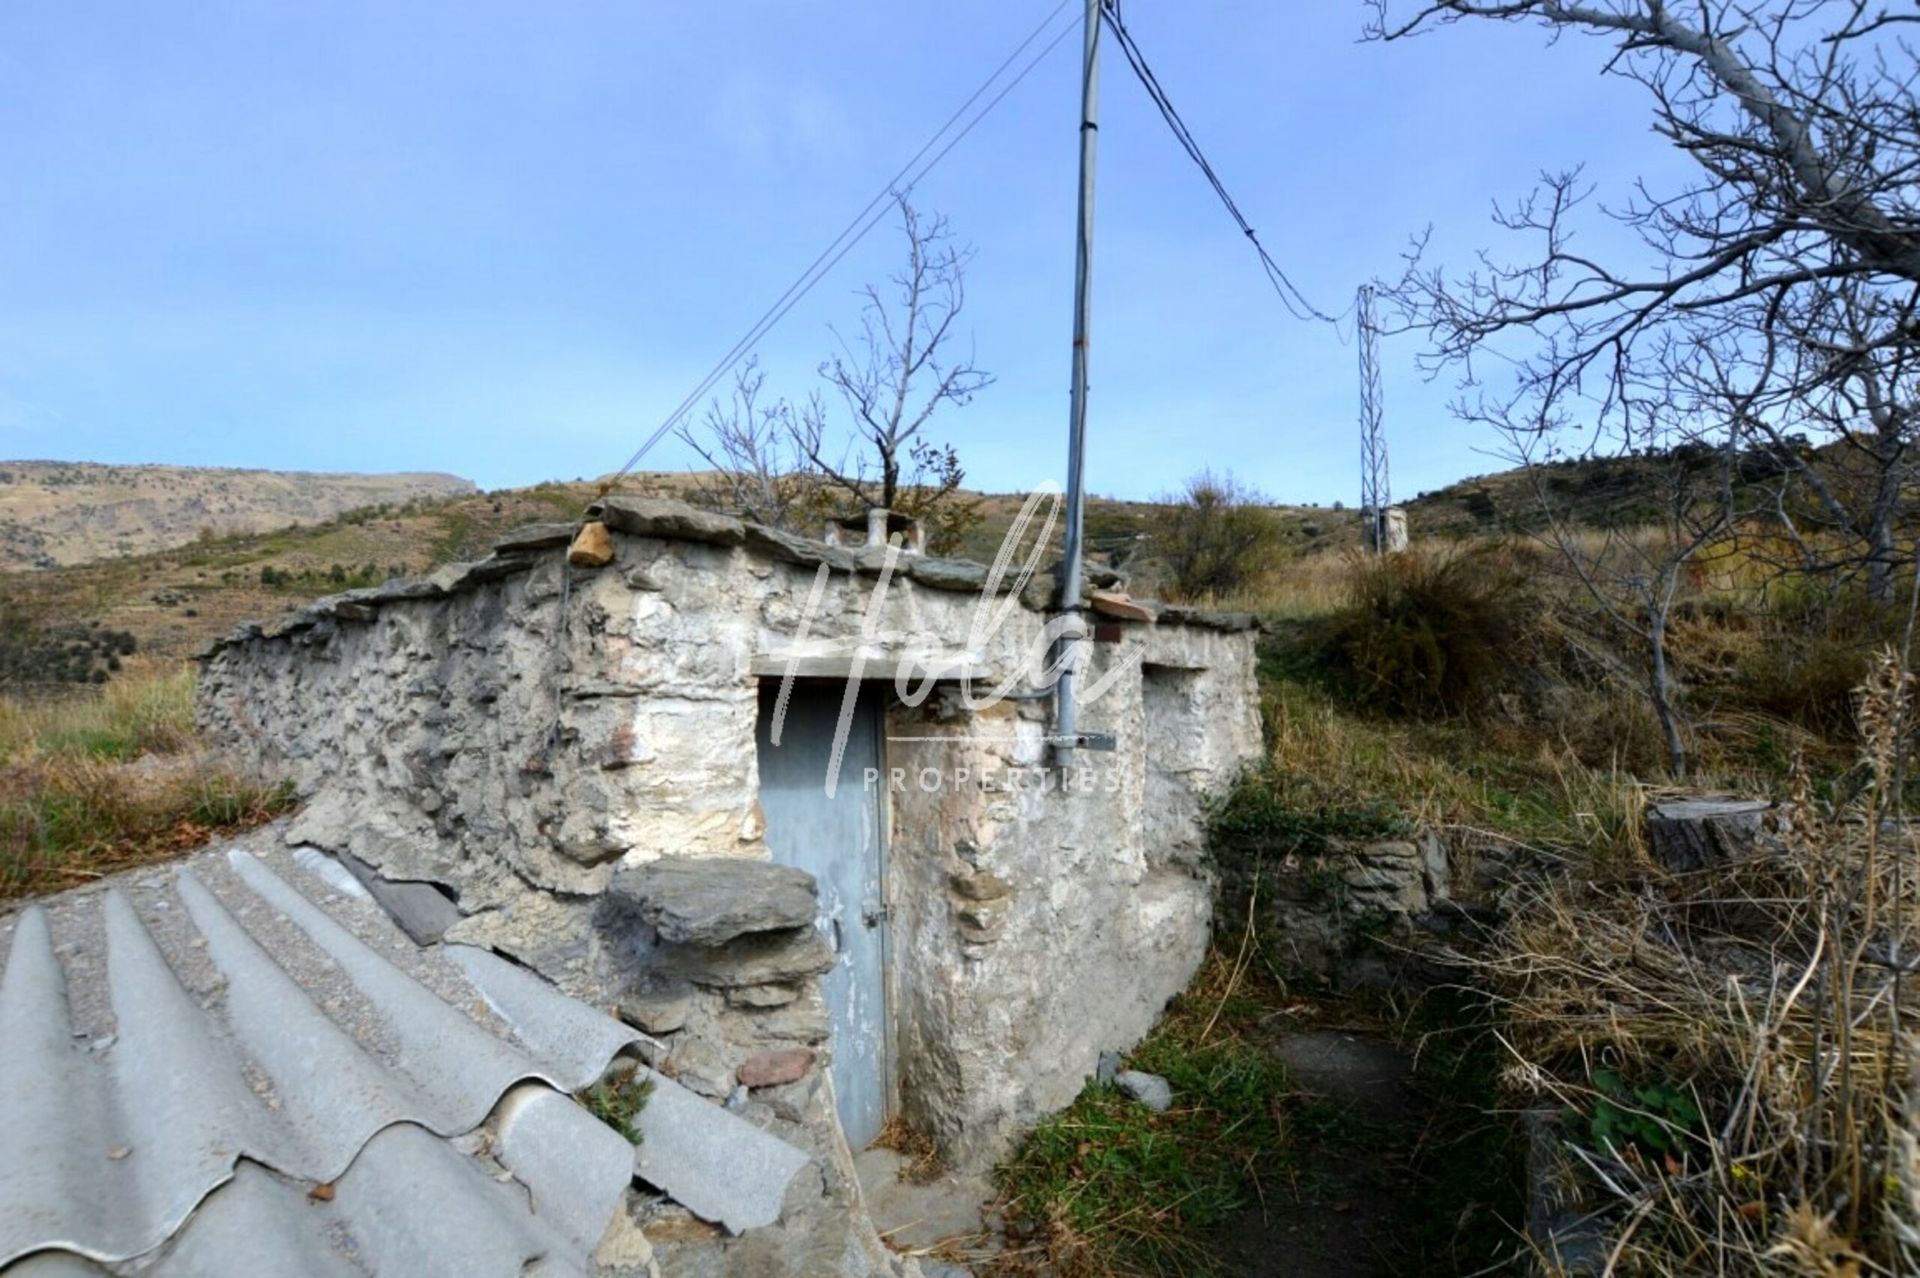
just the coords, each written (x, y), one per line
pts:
(756, 468)
(1782, 302)
(1839, 367)
(892, 377)
(1634, 568)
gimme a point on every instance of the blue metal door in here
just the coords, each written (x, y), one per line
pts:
(840, 840)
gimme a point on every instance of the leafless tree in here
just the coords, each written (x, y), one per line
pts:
(756, 468)
(893, 376)
(1842, 368)
(1634, 568)
(1781, 302)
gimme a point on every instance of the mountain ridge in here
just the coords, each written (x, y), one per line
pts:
(63, 513)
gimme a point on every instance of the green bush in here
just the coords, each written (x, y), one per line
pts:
(36, 651)
(1428, 633)
(1214, 535)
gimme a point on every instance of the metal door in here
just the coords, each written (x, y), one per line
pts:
(841, 842)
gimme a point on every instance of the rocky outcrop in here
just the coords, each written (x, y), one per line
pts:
(54, 513)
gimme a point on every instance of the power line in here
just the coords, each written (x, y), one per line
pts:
(863, 222)
(1290, 297)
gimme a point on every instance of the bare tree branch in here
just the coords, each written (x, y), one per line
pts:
(1779, 310)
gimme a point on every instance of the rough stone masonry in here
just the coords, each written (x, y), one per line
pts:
(541, 741)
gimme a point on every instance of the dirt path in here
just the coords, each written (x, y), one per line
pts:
(1341, 1206)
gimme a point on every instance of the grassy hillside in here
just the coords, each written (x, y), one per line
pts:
(57, 513)
(1467, 688)
(171, 602)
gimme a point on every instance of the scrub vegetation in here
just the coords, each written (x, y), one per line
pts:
(1475, 687)
(1722, 1056)
(98, 780)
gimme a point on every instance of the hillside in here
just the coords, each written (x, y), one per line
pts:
(54, 514)
(1625, 490)
(173, 600)
(1588, 491)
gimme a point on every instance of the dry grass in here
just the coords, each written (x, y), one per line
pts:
(148, 708)
(923, 1162)
(1739, 1043)
(1473, 781)
(98, 781)
(1309, 585)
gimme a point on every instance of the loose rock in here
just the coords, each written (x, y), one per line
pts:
(1150, 1090)
(1123, 607)
(662, 1011)
(592, 547)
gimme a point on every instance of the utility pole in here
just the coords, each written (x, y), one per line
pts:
(1375, 493)
(1066, 727)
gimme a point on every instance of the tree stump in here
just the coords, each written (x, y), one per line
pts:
(1692, 834)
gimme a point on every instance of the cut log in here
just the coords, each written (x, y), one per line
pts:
(1693, 834)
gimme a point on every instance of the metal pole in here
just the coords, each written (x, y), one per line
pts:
(1066, 718)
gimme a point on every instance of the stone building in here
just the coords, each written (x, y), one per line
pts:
(608, 774)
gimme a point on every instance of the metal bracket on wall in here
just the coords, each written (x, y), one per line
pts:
(1086, 741)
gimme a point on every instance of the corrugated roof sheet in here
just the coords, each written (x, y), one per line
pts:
(189, 1053)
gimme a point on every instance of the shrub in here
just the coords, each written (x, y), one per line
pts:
(1428, 632)
(37, 651)
(1814, 651)
(1214, 535)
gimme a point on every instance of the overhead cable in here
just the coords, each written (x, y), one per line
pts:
(1290, 296)
(865, 220)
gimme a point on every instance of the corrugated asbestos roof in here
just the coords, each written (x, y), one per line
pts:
(186, 1055)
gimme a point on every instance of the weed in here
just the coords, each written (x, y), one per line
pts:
(617, 1100)
(1771, 1126)
(1655, 1118)
(923, 1162)
(1273, 811)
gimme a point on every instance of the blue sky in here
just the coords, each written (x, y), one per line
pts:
(503, 240)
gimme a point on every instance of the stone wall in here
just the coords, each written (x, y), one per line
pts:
(518, 731)
(1037, 928)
